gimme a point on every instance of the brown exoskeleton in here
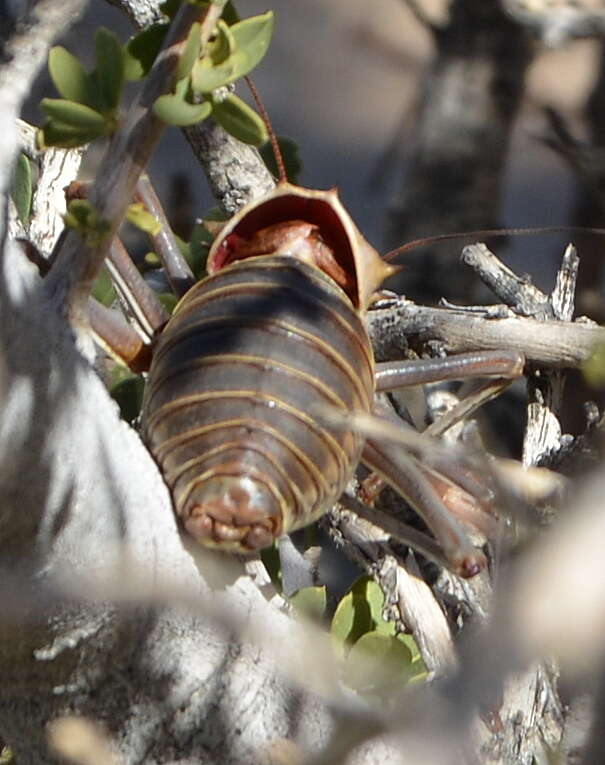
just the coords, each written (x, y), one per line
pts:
(251, 353)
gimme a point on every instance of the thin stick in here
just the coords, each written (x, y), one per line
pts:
(279, 159)
(77, 264)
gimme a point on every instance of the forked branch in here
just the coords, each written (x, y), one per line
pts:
(130, 149)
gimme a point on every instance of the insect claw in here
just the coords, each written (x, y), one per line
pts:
(472, 565)
(199, 525)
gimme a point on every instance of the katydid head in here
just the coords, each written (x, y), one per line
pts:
(309, 225)
(312, 226)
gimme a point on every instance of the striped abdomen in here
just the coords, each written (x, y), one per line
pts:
(228, 412)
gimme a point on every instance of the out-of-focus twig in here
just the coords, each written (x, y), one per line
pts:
(556, 23)
(80, 741)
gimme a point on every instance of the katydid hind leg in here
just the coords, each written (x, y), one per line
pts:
(402, 473)
(398, 374)
(403, 532)
(501, 368)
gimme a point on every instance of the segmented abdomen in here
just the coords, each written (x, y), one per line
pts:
(229, 408)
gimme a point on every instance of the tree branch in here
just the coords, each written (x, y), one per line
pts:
(236, 173)
(552, 344)
(77, 263)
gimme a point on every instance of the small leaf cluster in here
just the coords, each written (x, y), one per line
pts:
(83, 218)
(89, 103)
(374, 660)
(203, 75)
(88, 107)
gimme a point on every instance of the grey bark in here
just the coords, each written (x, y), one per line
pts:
(236, 173)
(457, 330)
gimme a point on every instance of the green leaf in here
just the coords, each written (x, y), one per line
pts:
(207, 76)
(110, 67)
(56, 133)
(252, 37)
(152, 260)
(139, 216)
(142, 50)
(76, 115)
(216, 214)
(240, 120)
(223, 44)
(310, 602)
(359, 611)
(216, 67)
(235, 53)
(289, 152)
(22, 188)
(68, 75)
(190, 52)
(352, 618)
(197, 252)
(129, 396)
(377, 665)
(593, 368)
(168, 300)
(418, 669)
(103, 289)
(174, 110)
